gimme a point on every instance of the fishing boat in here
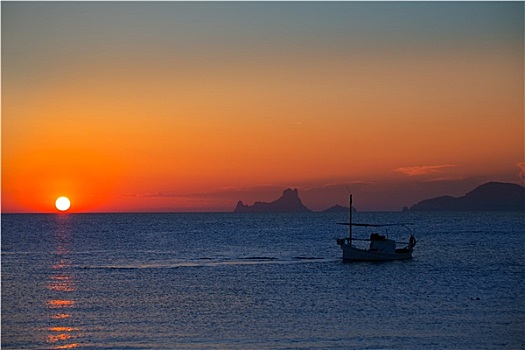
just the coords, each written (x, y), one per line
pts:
(380, 248)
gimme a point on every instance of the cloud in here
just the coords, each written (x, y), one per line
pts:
(223, 195)
(152, 195)
(422, 169)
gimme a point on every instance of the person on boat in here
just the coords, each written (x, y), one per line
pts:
(377, 237)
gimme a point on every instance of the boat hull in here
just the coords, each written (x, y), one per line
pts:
(356, 254)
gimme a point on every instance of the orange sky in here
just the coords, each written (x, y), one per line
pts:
(193, 106)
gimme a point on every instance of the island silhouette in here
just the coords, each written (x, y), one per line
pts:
(491, 196)
(289, 202)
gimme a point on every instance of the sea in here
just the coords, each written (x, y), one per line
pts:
(259, 281)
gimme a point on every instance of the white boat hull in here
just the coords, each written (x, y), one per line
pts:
(351, 253)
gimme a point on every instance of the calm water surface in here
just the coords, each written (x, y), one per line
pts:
(230, 281)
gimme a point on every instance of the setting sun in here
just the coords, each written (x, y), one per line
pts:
(62, 203)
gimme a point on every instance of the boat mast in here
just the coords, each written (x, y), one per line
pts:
(350, 226)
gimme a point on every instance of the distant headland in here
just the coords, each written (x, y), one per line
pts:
(338, 209)
(492, 196)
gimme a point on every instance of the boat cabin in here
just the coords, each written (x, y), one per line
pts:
(381, 244)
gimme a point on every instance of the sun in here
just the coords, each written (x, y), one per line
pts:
(62, 203)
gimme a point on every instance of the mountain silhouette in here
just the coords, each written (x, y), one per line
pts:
(289, 202)
(492, 196)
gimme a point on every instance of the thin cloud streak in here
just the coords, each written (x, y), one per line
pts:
(423, 169)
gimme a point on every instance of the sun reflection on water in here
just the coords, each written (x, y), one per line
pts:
(60, 316)
(59, 303)
(61, 334)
